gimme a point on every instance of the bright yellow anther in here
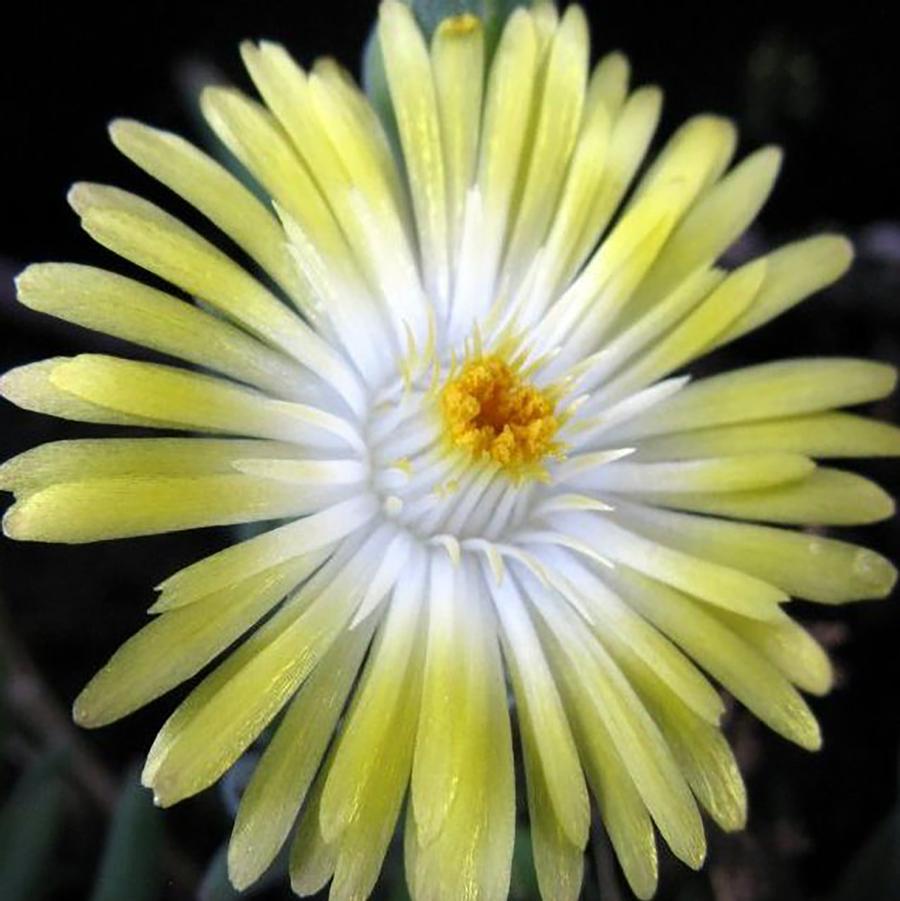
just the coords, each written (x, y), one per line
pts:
(492, 413)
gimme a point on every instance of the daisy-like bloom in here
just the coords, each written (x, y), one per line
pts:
(449, 375)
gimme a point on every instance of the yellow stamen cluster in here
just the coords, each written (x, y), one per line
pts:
(492, 413)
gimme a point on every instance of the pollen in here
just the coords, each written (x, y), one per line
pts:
(494, 414)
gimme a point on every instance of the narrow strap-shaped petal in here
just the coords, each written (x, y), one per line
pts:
(807, 566)
(767, 391)
(789, 647)
(93, 458)
(608, 86)
(471, 855)
(740, 669)
(282, 778)
(632, 131)
(598, 687)
(557, 120)
(228, 710)
(368, 776)
(827, 497)
(714, 474)
(819, 435)
(711, 582)
(311, 533)
(507, 109)
(98, 509)
(458, 60)
(622, 810)
(178, 644)
(31, 387)
(452, 698)
(213, 190)
(628, 636)
(719, 217)
(166, 394)
(538, 699)
(415, 104)
(793, 272)
(151, 238)
(127, 309)
(691, 337)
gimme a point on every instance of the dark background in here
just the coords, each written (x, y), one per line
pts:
(821, 84)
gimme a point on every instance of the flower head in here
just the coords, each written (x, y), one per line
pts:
(451, 378)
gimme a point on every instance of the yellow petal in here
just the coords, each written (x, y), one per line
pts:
(788, 646)
(558, 110)
(151, 238)
(177, 645)
(228, 710)
(31, 387)
(793, 273)
(300, 538)
(165, 394)
(817, 435)
(209, 187)
(457, 57)
(807, 566)
(472, 854)
(719, 217)
(538, 700)
(632, 132)
(612, 537)
(368, 777)
(286, 770)
(596, 690)
(767, 391)
(609, 84)
(125, 506)
(126, 309)
(714, 474)
(415, 104)
(826, 497)
(729, 659)
(93, 458)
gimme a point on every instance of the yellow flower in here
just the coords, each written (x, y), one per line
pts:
(452, 382)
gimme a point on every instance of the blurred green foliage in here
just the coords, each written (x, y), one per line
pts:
(130, 867)
(30, 823)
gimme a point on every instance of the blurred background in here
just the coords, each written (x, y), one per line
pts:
(73, 823)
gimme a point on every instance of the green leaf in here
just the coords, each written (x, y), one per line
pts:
(130, 863)
(523, 885)
(29, 825)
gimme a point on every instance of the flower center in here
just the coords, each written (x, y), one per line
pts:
(492, 413)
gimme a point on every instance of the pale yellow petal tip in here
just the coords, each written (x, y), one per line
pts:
(15, 525)
(841, 251)
(83, 713)
(81, 197)
(241, 871)
(120, 130)
(459, 26)
(875, 572)
(28, 279)
(811, 740)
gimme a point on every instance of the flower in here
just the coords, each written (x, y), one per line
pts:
(452, 384)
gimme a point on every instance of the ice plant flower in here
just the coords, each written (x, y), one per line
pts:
(450, 374)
